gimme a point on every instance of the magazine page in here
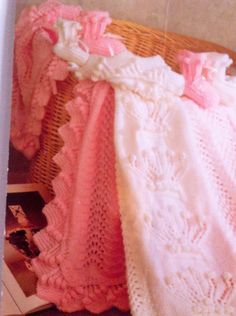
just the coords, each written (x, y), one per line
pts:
(9, 307)
(16, 293)
(24, 218)
(124, 112)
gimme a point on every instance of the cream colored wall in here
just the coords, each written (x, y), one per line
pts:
(213, 20)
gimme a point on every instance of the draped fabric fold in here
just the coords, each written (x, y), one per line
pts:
(176, 184)
(37, 69)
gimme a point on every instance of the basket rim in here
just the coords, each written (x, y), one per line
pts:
(170, 36)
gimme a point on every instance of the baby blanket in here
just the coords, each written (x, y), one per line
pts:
(176, 167)
(37, 68)
(81, 263)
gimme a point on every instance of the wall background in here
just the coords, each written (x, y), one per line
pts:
(212, 20)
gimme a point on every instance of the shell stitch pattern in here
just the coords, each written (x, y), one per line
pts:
(206, 294)
(170, 228)
(96, 256)
(165, 226)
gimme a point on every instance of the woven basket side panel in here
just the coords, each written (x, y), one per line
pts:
(42, 168)
(142, 41)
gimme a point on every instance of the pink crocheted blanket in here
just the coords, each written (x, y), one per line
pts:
(37, 68)
(81, 264)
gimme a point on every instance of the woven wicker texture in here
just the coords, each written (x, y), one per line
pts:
(142, 41)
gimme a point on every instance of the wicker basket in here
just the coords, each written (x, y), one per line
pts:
(139, 39)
